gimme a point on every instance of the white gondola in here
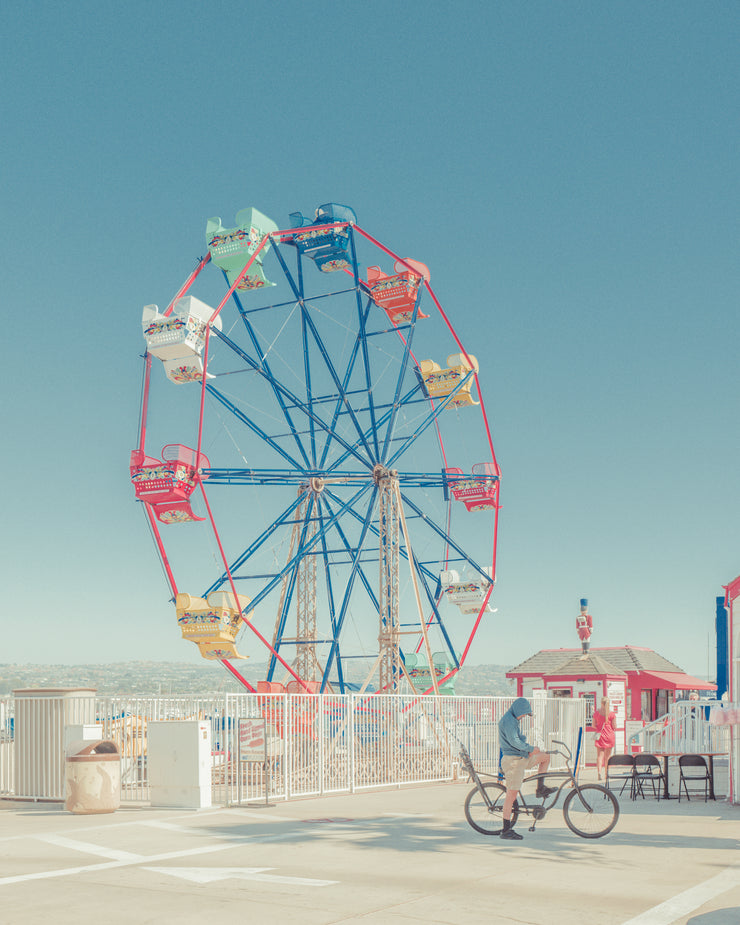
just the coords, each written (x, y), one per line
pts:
(178, 339)
(469, 593)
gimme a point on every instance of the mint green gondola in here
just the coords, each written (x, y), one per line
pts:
(231, 248)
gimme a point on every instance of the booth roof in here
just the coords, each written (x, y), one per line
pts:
(588, 666)
(623, 658)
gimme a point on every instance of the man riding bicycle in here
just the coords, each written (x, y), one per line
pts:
(518, 757)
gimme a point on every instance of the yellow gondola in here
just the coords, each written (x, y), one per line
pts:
(438, 382)
(212, 623)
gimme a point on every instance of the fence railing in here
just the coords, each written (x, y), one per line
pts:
(316, 744)
(686, 728)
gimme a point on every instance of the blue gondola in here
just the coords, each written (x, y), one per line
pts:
(327, 247)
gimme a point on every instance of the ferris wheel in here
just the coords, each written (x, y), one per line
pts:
(315, 460)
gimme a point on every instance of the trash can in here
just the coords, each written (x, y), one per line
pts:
(92, 777)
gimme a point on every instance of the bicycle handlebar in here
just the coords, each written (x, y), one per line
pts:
(566, 752)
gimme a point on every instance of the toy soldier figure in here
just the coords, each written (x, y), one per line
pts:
(584, 625)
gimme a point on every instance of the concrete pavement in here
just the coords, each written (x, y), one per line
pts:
(389, 857)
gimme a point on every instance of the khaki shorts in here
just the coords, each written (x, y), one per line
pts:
(514, 767)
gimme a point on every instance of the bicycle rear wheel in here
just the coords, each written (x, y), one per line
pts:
(485, 813)
(591, 811)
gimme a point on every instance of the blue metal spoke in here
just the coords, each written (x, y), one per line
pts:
(298, 477)
(293, 398)
(253, 547)
(341, 387)
(338, 385)
(338, 401)
(330, 600)
(255, 428)
(445, 536)
(266, 367)
(362, 317)
(427, 422)
(376, 531)
(298, 293)
(353, 557)
(338, 462)
(283, 616)
(351, 580)
(435, 608)
(401, 375)
(298, 289)
(309, 392)
(311, 543)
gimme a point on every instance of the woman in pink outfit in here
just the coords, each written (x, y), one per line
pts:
(606, 724)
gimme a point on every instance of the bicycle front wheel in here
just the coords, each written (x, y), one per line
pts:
(485, 812)
(591, 811)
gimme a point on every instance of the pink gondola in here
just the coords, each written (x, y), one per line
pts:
(479, 492)
(397, 294)
(167, 484)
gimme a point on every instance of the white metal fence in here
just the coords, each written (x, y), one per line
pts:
(685, 729)
(316, 744)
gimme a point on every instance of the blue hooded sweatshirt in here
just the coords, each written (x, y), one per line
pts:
(510, 738)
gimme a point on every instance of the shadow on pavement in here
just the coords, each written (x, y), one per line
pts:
(730, 915)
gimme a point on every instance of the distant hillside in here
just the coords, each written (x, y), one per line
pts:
(173, 678)
(484, 681)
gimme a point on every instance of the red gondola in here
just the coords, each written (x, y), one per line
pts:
(480, 491)
(397, 294)
(167, 484)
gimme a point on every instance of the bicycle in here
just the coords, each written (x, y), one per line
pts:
(589, 810)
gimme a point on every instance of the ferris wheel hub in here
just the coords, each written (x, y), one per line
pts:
(381, 473)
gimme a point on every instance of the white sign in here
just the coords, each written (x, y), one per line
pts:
(252, 739)
(615, 691)
(631, 727)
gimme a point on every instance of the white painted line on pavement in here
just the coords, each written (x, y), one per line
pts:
(88, 848)
(409, 815)
(198, 814)
(68, 871)
(237, 842)
(254, 814)
(212, 874)
(181, 829)
(672, 909)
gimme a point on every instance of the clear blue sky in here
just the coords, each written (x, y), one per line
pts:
(568, 171)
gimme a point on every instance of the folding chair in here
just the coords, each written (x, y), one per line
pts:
(693, 763)
(648, 769)
(621, 768)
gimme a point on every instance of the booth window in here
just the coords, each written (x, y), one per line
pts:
(646, 705)
(590, 701)
(663, 700)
